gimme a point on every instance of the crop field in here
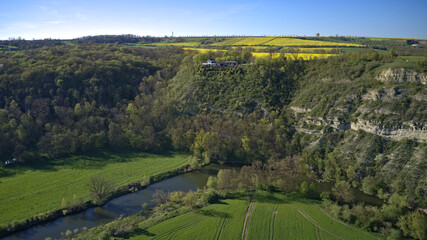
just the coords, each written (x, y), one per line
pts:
(304, 56)
(26, 191)
(296, 42)
(229, 42)
(253, 41)
(204, 50)
(178, 44)
(268, 217)
(8, 48)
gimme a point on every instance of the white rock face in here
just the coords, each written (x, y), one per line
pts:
(412, 131)
(409, 130)
(401, 75)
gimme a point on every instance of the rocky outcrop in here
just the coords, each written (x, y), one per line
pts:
(401, 75)
(398, 131)
(407, 130)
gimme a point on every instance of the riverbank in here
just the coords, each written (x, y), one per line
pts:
(25, 188)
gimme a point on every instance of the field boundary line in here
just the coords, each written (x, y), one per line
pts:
(343, 223)
(268, 41)
(245, 229)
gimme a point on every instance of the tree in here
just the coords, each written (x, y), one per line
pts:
(160, 197)
(414, 224)
(393, 52)
(342, 192)
(100, 188)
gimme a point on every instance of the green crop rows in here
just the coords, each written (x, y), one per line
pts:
(279, 217)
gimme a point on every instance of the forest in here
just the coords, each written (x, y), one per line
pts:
(59, 100)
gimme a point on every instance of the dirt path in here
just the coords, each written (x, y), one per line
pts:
(245, 230)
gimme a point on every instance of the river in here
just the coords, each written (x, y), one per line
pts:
(132, 203)
(122, 206)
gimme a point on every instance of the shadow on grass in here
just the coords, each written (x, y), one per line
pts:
(93, 160)
(139, 232)
(213, 213)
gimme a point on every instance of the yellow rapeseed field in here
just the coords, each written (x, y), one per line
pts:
(253, 41)
(230, 41)
(204, 50)
(296, 42)
(304, 56)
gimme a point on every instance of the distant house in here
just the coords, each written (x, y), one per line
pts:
(213, 64)
(229, 64)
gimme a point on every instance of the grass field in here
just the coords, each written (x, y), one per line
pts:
(39, 188)
(270, 217)
(179, 44)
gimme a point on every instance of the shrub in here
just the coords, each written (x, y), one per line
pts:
(104, 236)
(190, 199)
(145, 181)
(210, 197)
(176, 196)
(212, 182)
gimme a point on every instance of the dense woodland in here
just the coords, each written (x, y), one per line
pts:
(61, 100)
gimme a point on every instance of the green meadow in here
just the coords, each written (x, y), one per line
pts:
(270, 217)
(26, 191)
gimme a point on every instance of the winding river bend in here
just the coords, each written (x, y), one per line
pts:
(132, 203)
(121, 206)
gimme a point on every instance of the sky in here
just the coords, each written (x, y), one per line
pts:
(66, 19)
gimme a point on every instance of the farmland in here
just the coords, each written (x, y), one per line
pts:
(40, 187)
(257, 41)
(262, 46)
(268, 217)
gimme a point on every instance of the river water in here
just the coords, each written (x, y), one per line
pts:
(121, 206)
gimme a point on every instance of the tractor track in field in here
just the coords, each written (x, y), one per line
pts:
(306, 216)
(245, 229)
(272, 223)
(171, 232)
(221, 227)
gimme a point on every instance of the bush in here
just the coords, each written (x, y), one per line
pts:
(212, 182)
(176, 196)
(104, 236)
(210, 197)
(190, 199)
(145, 181)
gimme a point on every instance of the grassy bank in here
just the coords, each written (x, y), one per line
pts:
(39, 188)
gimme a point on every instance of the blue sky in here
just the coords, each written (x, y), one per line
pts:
(66, 19)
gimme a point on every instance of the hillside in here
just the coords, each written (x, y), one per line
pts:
(358, 117)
